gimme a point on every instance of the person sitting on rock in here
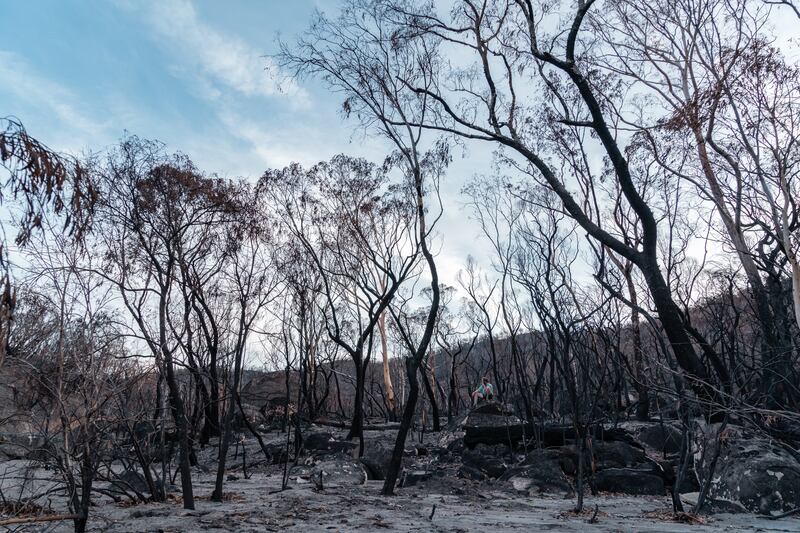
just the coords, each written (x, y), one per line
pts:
(484, 392)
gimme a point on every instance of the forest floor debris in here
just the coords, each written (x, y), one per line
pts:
(361, 508)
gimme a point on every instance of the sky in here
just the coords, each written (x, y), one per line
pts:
(196, 75)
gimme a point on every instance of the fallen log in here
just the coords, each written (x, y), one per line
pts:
(41, 518)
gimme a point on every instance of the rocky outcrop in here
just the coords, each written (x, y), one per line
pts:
(663, 438)
(616, 454)
(491, 464)
(760, 474)
(540, 472)
(330, 473)
(629, 481)
(23, 446)
(322, 443)
(376, 460)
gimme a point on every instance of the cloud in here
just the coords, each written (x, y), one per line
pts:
(226, 60)
(273, 151)
(49, 97)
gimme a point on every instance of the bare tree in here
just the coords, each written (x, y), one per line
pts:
(41, 181)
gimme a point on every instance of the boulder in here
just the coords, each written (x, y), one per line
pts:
(712, 506)
(540, 472)
(456, 446)
(317, 440)
(616, 454)
(491, 423)
(276, 452)
(23, 446)
(376, 459)
(330, 473)
(470, 472)
(415, 477)
(629, 481)
(133, 481)
(760, 474)
(663, 438)
(487, 459)
(323, 443)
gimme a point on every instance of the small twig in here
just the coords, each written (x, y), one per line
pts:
(433, 511)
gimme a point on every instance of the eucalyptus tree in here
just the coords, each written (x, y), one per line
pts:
(157, 209)
(253, 281)
(719, 108)
(41, 183)
(359, 56)
(516, 74)
(350, 224)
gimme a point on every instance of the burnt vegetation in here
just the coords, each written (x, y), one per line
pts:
(640, 289)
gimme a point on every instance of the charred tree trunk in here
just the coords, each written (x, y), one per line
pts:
(431, 397)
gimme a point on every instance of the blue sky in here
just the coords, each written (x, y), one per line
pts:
(190, 73)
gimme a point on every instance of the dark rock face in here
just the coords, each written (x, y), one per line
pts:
(664, 438)
(493, 417)
(415, 477)
(323, 442)
(277, 453)
(565, 456)
(133, 481)
(456, 446)
(23, 446)
(761, 475)
(330, 473)
(629, 481)
(470, 472)
(540, 472)
(615, 454)
(490, 465)
(376, 460)
(317, 441)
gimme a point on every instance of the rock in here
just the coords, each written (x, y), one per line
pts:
(494, 450)
(713, 506)
(317, 440)
(760, 474)
(277, 453)
(376, 459)
(132, 481)
(540, 472)
(567, 458)
(470, 472)
(616, 454)
(23, 446)
(487, 462)
(415, 477)
(456, 446)
(437, 451)
(252, 413)
(488, 422)
(664, 438)
(330, 473)
(324, 442)
(629, 481)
